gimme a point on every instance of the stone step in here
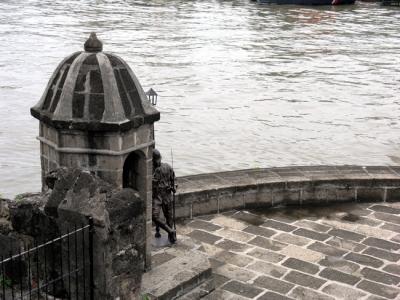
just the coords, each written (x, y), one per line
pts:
(199, 292)
(177, 276)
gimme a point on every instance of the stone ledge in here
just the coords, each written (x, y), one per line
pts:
(177, 276)
(298, 185)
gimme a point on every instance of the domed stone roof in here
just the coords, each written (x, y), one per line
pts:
(94, 90)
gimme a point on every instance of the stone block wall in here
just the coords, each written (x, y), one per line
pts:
(119, 230)
(311, 185)
(74, 196)
(102, 153)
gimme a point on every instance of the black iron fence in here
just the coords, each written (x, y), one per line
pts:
(61, 268)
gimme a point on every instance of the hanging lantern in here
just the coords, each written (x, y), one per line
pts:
(152, 95)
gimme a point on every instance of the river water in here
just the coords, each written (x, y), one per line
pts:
(241, 85)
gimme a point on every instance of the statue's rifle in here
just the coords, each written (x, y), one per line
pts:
(173, 192)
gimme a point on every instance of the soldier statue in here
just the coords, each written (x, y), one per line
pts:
(163, 197)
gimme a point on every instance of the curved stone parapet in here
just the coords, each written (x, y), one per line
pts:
(298, 185)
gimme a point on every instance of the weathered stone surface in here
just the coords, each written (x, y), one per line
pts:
(339, 264)
(204, 237)
(60, 181)
(267, 244)
(273, 284)
(362, 229)
(343, 292)
(327, 250)
(283, 217)
(304, 280)
(234, 259)
(302, 253)
(248, 218)
(387, 255)
(223, 294)
(346, 245)
(183, 273)
(341, 274)
(392, 268)
(364, 260)
(347, 235)
(300, 293)
(234, 272)
(5, 223)
(370, 194)
(266, 255)
(119, 235)
(27, 217)
(374, 297)
(273, 296)
(312, 226)
(392, 194)
(396, 238)
(225, 221)
(385, 209)
(373, 231)
(279, 226)
(268, 269)
(365, 221)
(265, 187)
(242, 289)
(379, 276)
(265, 232)
(379, 289)
(314, 235)
(103, 125)
(236, 235)
(201, 291)
(199, 224)
(336, 275)
(14, 270)
(160, 258)
(383, 244)
(292, 239)
(219, 280)
(231, 245)
(387, 218)
(215, 263)
(119, 221)
(10, 243)
(117, 100)
(301, 265)
(391, 227)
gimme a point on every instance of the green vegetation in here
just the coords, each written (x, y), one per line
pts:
(19, 197)
(4, 280)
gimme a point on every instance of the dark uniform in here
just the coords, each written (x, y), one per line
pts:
(163, 187)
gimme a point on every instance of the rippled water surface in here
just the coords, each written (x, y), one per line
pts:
(241, 85)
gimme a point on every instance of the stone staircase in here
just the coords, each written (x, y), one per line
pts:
(179, 272)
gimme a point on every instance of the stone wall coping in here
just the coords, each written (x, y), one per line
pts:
(285, 186)
(77, 150)
(285, 175)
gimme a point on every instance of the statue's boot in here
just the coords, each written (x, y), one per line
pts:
(171, 231)
(172, 237)
(158, 234)
(163, 226)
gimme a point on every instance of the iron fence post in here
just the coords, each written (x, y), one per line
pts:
(91, 273)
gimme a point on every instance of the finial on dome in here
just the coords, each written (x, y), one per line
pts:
(93, 44)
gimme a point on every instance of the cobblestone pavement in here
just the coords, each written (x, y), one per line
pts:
(349, 251)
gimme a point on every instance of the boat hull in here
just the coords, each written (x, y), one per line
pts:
(307, 2)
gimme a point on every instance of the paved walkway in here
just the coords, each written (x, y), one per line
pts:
(349, 251)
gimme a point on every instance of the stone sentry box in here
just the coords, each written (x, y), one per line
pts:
(94, 115)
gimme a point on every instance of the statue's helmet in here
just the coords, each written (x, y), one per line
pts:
(156, 155)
